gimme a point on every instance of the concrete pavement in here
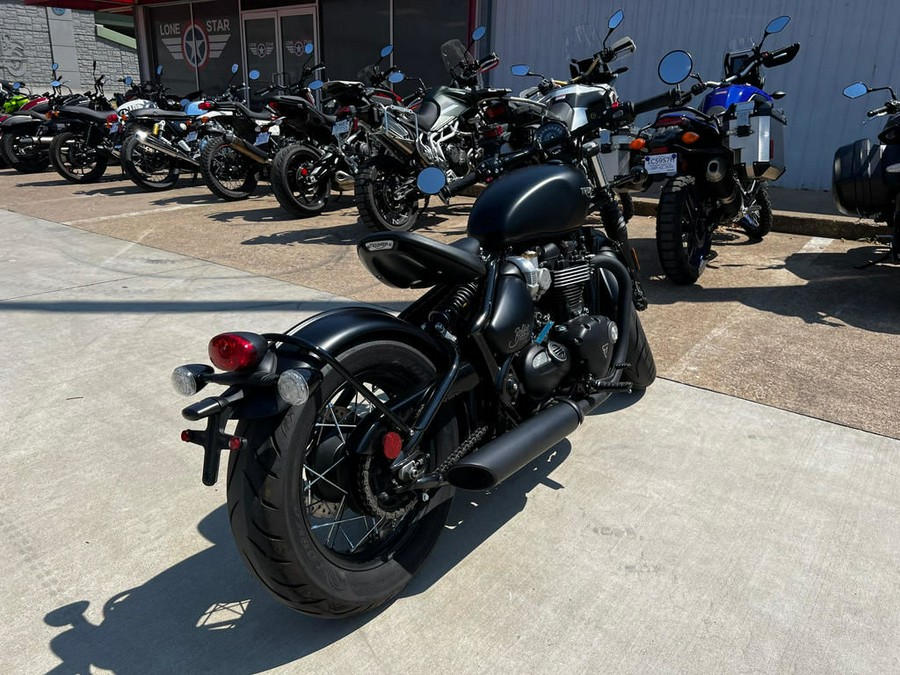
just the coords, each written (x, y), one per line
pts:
(681, 531)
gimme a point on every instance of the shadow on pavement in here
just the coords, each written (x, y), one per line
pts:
(187, 307)
(207, 614)
(342, 234)
(836, 291)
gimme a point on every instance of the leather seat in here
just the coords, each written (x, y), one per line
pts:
(83, 113)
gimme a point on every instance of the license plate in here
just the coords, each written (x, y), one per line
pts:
(341, 127)
(656, 164)
(275, 130)
(191, 137)
(262, 138)
(114, 128)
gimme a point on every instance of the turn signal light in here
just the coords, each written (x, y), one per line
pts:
(237, 351)
(690, 137)
(638, 144)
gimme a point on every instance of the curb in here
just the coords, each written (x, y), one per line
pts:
(795, 222)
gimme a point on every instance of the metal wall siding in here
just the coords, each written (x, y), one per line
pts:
(840, 42)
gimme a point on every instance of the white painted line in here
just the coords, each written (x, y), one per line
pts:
(131, 214)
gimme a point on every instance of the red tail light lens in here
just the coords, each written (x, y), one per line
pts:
(205, 105)
(237, 351)
(112, 118)
(495, 111)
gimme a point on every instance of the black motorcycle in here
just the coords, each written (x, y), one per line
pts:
(866, 178)
(354, 427)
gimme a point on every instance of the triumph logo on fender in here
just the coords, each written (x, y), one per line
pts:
(198, 42)
(379, 246)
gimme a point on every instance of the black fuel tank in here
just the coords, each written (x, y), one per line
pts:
(529, 204)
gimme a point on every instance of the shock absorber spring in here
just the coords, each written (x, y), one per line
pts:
(448, 311)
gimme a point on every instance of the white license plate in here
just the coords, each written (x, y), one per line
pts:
(341, 127)
(661, 163)
(191, 137)
(114, 128)
(274, 130)
(262, 138)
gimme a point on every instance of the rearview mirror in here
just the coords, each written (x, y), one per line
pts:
(129, 81)
(520, 70)
(616, 19)
(431, 180)
(17, 85)
(54, 67)
(315, 85)
(308, 48)
(777, 25)
(253, 74)
(159, 70)
(856, 90)
(234, 68)
(396, 77)
(675, 67)
(55, 83)
(478, 33)
(387, 51)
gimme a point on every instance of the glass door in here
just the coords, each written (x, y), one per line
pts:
(274, 42)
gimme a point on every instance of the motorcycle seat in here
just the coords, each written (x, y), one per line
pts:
(251, 114)
(428, 113)
(407, 260)
(80, 112)
(159, 114)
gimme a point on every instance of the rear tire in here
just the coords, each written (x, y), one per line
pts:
(147, 168)
(75, 160)
(375, 194)
(227, 173)
(683, 239)
(24, 159)
(302, 504)
(297, 195)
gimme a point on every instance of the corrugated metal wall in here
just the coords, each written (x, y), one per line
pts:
(841, 41)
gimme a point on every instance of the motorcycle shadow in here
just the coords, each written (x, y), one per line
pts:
(124, 189)
(839, 288)
(476, 516)
(204, 614)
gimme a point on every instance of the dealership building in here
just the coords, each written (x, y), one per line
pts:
(197, 42)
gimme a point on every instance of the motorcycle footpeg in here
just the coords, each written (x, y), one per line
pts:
(599, 385)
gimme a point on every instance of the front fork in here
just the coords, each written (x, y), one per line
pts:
(617, 230)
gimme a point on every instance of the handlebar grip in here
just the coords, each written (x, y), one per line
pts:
(652, 103)
(877, 111)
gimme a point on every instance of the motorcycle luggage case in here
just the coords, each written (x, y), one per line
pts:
(862, 181)
(615, 152)
(755, 133)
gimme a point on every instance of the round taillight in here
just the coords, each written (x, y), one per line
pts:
(205, 105)
(112, 118)
(237, 351)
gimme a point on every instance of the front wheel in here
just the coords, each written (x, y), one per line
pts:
(641, 371)
(318, 522)
(297, 185)
(758, 223)
(227, 173)
(75, 160)
(386, 196)
(683, 233)
(147, 168)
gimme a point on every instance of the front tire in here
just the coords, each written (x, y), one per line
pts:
(378, 196)
(147, 168)
(227, 173)
(683, 237)
(758, 225)
(75, 160)
(297, 193)
(313, 519)
(642, 371)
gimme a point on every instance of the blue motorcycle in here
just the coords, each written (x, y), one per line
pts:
(716, 160)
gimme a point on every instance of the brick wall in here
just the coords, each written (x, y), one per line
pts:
(25, 49)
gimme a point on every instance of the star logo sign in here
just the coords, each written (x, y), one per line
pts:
(195, 46)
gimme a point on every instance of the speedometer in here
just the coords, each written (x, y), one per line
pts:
(550, 133)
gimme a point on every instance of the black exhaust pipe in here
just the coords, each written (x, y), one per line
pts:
(498, 460)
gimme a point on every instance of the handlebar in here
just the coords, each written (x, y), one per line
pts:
(890, 107)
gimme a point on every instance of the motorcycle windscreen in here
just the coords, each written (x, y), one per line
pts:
(452, 53)
(582, 42)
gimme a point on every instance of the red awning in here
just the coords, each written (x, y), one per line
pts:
(95, 5)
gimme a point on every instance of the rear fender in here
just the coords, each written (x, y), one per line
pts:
(20, 124)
